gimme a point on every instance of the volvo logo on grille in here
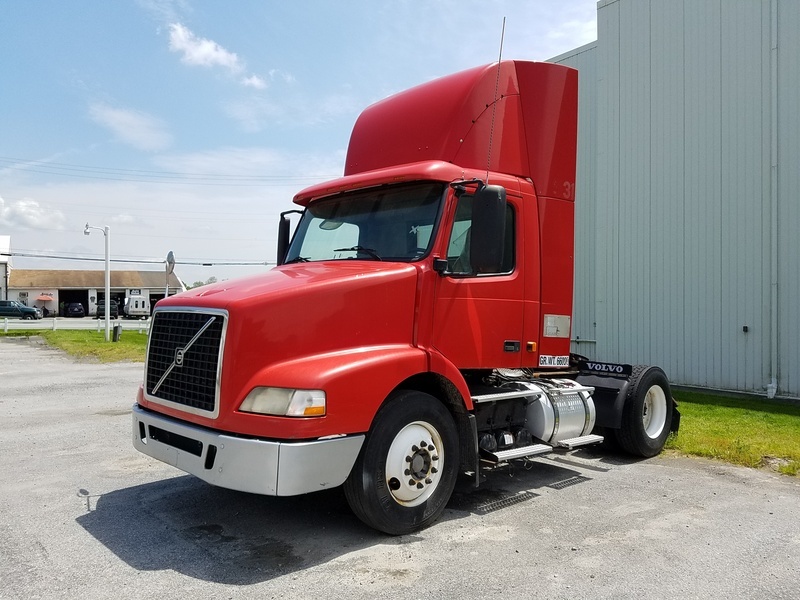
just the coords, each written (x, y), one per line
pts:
(180, 353)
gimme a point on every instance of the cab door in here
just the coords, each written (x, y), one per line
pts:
(478, 317)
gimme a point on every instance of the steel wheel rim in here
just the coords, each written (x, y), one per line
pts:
(414, 463)
(654, 413)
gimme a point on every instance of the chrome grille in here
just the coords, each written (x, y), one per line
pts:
(183, 358)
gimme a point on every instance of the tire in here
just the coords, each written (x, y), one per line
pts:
(27, 318)
(647, 413)
(398, 484)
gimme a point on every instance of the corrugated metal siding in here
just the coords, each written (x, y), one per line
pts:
(667, 160)
(608, 183)
(744, 232)
(683, 194)
(583, 319)
(702, 176)
(788, 147)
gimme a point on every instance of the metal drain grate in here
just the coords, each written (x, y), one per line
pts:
(560, 485)
(494, 505)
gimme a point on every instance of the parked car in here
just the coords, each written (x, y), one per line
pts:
(14, 309)
(75, 309)
(113, 309)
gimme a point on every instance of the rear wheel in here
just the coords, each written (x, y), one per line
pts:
(647, 414)
(407, 468)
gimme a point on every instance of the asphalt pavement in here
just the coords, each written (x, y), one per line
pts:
(85, 516)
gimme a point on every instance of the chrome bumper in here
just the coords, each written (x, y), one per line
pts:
(247, 465)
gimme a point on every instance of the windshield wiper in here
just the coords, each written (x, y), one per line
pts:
(297, 259)
(361, 249)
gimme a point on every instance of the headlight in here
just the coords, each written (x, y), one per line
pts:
(285, 402)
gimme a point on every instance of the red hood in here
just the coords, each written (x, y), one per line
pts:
(288, 280)
(306, 309)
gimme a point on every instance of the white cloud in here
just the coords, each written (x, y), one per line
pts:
(29, 214)
(200, 51)
(165, 10)
(576, 32)
(206, 222)
(132, 127)
(278, 74)
(234, 162)
(276, 170)
(124, 219)
(254, 81)
(253, 113)
(336, 105)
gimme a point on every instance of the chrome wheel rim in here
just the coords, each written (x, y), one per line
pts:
(414, 463)
(654, 413)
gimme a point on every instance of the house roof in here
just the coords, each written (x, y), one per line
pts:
(63, 279)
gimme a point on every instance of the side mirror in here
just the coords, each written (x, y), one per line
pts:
(487, 237)
(283, 235)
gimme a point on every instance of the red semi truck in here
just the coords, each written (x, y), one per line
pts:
(417, 326)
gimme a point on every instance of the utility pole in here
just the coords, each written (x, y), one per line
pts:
(107, 233)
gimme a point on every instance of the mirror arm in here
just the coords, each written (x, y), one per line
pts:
(440, 266)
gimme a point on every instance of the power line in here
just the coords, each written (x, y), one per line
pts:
(197, 263)
(145, 176)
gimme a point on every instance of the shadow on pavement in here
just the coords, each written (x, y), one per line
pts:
(517, 483)
(223, 536)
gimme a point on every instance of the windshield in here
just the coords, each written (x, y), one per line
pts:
(388, 223)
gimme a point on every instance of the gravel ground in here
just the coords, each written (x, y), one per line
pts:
(85, 516)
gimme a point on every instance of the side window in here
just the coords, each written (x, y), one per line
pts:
(458, 248)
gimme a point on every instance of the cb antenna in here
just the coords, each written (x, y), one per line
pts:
(494, 104)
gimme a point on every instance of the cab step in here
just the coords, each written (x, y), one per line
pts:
(511, 454)
(583, 440)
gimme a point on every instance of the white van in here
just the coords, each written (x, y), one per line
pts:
(136, 307)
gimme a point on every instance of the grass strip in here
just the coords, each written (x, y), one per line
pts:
(753, 432)
(92, 345)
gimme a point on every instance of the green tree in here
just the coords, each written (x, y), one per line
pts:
(198, 283)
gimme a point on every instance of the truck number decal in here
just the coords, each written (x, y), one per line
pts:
(546, 360)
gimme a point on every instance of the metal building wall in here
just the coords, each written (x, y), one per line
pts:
(583, 318)
(787, 148)
(696, 199)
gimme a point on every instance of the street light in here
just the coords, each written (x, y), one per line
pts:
(107, 233)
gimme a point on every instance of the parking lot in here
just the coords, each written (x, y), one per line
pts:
(85, 516)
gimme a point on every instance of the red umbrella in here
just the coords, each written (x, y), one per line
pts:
(45, 298)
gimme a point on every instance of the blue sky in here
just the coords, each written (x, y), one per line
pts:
(188, 126)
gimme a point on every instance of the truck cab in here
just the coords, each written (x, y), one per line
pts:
(417, 325)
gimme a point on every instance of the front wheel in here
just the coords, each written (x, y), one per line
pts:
(27, 318)
(407, 468)
(647, 414)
